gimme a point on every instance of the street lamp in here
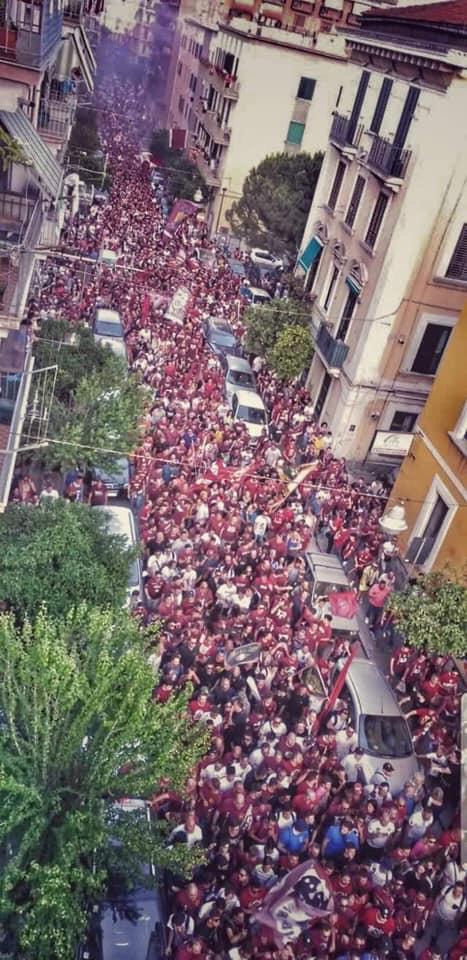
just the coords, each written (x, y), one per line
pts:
(394, 521)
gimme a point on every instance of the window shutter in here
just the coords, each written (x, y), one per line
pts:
(355, 201)
(358, 104)
(335, 189)
(376, 219)
(381, 104)
(295, 133)
(457, 269)
(408, 111)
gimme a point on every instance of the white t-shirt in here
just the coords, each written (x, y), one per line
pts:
(448, 908)
(353, 765)
(379, 833)
(344, 743)
(260, 525)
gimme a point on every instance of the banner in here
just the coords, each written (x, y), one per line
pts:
(300, 898)
(343, 604)
(179, 212)
(338, 686)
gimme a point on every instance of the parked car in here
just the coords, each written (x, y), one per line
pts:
(263, 258)
(248, 407)
(328, 576)
(381, 728)
(122, 523)
(237, 267)
(117, 481)
(220, 337)
(238, 375)
(108, 329)
(108, 258)
(256, 296)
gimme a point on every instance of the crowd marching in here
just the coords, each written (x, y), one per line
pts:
(224, 531)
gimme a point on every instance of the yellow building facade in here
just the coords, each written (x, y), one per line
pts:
(432, 481)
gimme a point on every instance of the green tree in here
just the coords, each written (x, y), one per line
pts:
(79, 732)
(275, 202)
(432, 613)
(76, 351)
(10, 151)
(292, 352)
(57, 553)
(183, 178)
(265, 324)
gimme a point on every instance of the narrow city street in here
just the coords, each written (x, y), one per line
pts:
(264, 577)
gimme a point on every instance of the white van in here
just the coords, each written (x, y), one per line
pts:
(108, 330)
(256, 296)
(122, 524)
(108, 258)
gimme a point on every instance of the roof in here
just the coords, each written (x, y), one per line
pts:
(249, 398)
(452, 12)
(371, 689)
(38, 154)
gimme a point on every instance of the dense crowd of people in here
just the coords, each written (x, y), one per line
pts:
(224, 524)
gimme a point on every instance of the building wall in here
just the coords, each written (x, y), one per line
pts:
(436, 463)
(414, 245)
(269, 75)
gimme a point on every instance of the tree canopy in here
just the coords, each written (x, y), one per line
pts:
(183, 178)
(275, 202)
(292, 352)
(57, 555)
(79, 732)
(432, 613)
(97, 406)
(265, 324)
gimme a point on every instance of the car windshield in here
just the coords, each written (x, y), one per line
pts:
(108, 329)
(387, 736)
(221, 337)
(251, 414)
(259, 299)
(241, 378)
(238, 269)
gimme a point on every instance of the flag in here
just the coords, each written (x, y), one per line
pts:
(179, 212)
(300, 898)
(343, 604)
(334, 693)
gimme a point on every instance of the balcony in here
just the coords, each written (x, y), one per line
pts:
(222, 82)
(208, 170)
(55, 119)
(213, 125)
(333, 352)
(21, 221)
(388, 161)
(343, 136)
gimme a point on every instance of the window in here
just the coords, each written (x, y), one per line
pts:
(322, 395)
(347, 314)
(181, 104)
(457, 269)
(295, 133)
(431, 349)
(421, 547)
(403, 421)
(357, 106)
(179, 68)
(335, 189)
(332, 284)
(355, 201)
(312, 273)
(459, 434)
(306, 88)
(381, 104)
(376, 219)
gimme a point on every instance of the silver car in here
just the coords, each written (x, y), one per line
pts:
(377, 719)
(238, 375)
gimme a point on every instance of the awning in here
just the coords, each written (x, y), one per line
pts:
(310, 253)
(354, 285)
(37, 153)
(85, 56)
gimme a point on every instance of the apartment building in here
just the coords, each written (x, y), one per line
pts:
(44, 60)
(432, 481)
(384, 254)
(257, 91)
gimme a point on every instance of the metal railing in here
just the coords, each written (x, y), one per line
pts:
(333, 351)
(390, 160)
(55, 117)
(342, 134)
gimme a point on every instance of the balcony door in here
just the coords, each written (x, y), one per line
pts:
(322, 395)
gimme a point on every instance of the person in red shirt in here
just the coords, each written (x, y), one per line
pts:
(378, 922)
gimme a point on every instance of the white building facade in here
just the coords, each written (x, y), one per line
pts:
(390, 200)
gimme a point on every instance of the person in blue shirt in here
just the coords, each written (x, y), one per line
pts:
(337, 838)
(294, 839)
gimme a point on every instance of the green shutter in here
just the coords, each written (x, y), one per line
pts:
(295, 133)
(310, 253)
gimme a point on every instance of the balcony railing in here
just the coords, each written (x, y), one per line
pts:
(213, 124)
(342, 133)
(55, 118)
(222, 81)
(334, 352)
(208, 170)
(387, 159)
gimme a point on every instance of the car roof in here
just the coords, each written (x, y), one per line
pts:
(370, 689)
(219, 323)
(249, 398)
(238, 363)
(108, 316)
(258, 291)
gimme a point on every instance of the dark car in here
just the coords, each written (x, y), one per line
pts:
(237, 268)
(220, 338)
